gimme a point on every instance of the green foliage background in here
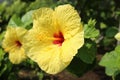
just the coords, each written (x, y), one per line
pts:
(101, 19)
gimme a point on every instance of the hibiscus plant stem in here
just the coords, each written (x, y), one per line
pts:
(113, 78)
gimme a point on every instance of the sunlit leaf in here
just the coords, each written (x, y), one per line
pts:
(90, 30)
(27, 19)
(117, 49)
(15, 21)
(111, 71)
(103, 25)
(111, 61)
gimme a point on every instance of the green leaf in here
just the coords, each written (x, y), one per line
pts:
(3, 6)
(1, 55)
(78, 67)
(25, 21)
(14, 7)
(111, 32)
(6, 68)
(27, 18)
(103, 25)
(3, 70)
(41, 3)
(107, 41)
(117, 12)
(90, 30)
(88, 52)
(111, 61)
(15, 21)
(1, 37)
(41, 75)
(110, 71)
(117, 49)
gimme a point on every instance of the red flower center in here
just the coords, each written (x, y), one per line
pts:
(18, 43)
(59, 39)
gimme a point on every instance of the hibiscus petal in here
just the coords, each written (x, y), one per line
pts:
(42, 18)
(16, 56)
(68, 20)
(71, 46)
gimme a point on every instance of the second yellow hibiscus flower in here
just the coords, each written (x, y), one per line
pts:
(13, 44)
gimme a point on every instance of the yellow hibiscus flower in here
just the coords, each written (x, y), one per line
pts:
(55, 37)
(12, 43)
(117, 36)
